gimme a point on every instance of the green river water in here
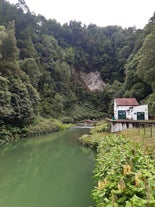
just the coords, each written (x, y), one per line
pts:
(47, 171)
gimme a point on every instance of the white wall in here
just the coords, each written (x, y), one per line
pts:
(141, 108)
(125, 108)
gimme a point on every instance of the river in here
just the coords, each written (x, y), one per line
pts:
(47, 171)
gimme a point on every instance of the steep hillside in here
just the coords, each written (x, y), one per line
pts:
(140, 68)
(69, 71)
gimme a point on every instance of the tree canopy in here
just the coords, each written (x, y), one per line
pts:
(41, 62)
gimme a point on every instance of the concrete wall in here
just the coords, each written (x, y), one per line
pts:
(115, 127)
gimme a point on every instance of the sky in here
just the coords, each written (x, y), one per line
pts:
(125, 13)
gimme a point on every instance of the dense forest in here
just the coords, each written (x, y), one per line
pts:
(41, 62)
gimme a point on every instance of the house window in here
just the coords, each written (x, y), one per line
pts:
(121, 114)
(140, 115)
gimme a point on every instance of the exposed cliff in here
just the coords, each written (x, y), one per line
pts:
(93, 80)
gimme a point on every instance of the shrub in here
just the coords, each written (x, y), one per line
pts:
(124, 174)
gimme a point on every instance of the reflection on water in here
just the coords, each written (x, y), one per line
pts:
(51, 171)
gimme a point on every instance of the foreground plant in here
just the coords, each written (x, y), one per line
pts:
(125, 174)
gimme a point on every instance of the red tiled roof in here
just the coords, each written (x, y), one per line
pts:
(126, 102)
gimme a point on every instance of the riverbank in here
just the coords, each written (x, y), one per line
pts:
(124, 172)
(39, 127)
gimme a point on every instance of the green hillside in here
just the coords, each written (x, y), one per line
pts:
(42, 62)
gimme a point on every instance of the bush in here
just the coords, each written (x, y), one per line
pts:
(124, 174)
(44, 126)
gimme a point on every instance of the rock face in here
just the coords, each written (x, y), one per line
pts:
(93, 80)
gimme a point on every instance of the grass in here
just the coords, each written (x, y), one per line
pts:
(44, 126)
(96, 134)
(142, 137)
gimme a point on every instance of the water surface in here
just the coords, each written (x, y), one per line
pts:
(48, 171)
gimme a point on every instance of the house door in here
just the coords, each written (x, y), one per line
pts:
(140, 115)
(121, 114)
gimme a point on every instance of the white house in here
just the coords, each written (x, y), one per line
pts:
(128, 108)
(140, 112)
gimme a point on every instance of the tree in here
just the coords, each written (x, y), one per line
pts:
(23, 6)
(24, 102)
(8, 50)
(150, 100)
(146, 66)
(30, 67)
(5, 99)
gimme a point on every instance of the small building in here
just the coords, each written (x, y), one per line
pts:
(128, 108)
